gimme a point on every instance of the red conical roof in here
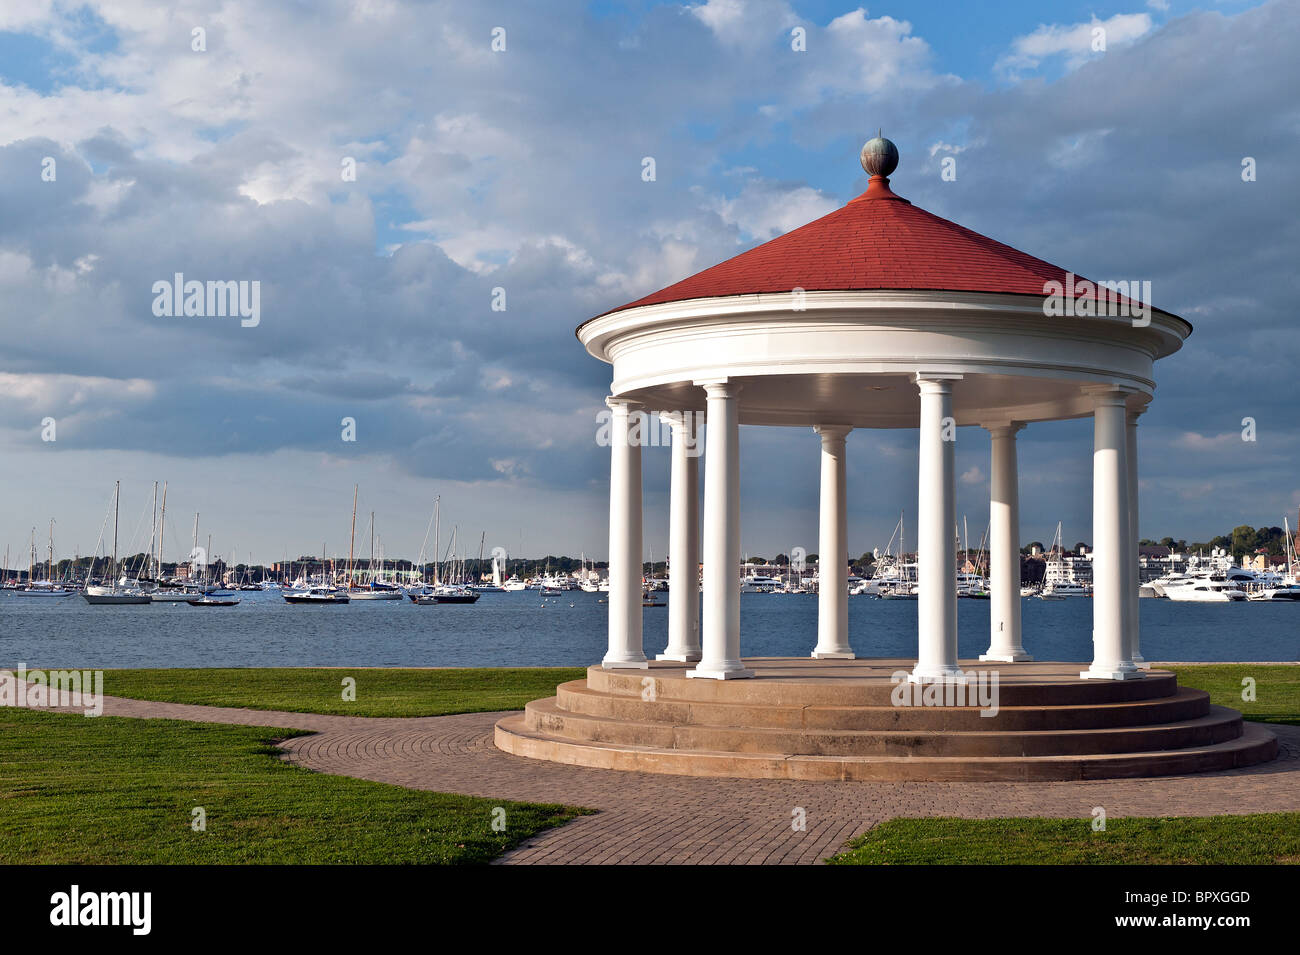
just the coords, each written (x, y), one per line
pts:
(876, 241)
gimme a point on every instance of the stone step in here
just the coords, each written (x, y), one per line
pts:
(576, 697)
(795, 682)
(1218, 725)
(1255, 744)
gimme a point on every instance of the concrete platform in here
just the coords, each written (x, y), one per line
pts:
(838, 719)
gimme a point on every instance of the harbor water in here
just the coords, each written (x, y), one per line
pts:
(525, 629)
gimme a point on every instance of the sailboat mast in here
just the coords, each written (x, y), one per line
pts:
(902, 546)
(153, 526)
(437, 532)
(1286, 538)
(161, 523)
(352, 541)
(117, 491)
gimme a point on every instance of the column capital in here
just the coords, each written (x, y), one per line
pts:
(936, 382)
(1003, 429)
(719, 387)
(624, 405)
(832, 432)
(677, 419)
(1133, 414)
(1110, 394)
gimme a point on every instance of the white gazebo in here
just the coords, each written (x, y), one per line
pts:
(879, 315)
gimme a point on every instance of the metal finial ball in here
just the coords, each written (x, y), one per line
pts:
(879, 157)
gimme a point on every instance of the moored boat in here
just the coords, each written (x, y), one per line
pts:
(316, 595)
(213, 601)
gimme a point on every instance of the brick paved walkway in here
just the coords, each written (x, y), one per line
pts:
(647, 818)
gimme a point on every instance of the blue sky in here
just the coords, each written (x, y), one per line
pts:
(521, 170)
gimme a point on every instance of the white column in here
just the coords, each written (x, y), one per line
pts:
(936, 610)
(684, 541)
(1005, 644)
(720, 653)
(832, 550)
(1134, 616)
(1111, 658)
(625, 649)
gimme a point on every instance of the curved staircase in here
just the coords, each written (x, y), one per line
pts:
(824, 720)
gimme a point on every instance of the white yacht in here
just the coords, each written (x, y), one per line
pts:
(753, 583)
(1065, 588)
(893, 577)
(1062, 576)
(1203, 588)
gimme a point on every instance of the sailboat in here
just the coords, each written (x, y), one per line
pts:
(376, 589)
(647, 586)
(494, 587)
(893, 579)
(456, 593)
(324, 594)
(445, 593)
(1058, 579)
(169, 593)
(46, 587)
(972, 584)
(100, 595)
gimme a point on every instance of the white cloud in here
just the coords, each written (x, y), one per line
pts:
(765, 209)
(1075, 43)
(522, 169)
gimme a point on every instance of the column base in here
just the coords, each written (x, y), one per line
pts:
(834, 655)
(945, 673)
(1006, 656)
(719, 672)
(1113, 674)
(684, 656)
(629, 664)
(1140, 663)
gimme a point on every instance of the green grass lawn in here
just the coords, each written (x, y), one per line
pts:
(117, 790)
(1223, 840)
(1217, 840)
(122, 791)
(405, 692)
(1277, 689)
(379, 692)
